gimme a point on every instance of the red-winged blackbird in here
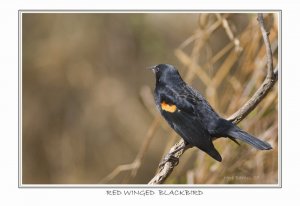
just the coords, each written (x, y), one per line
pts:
(191, 116)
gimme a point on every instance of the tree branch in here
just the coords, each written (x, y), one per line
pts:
(135, 165)
(271, 78)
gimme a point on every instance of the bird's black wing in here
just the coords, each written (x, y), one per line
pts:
(203, 107)
(173, 97)
(182, 113)
(203, 110)
(190, 101)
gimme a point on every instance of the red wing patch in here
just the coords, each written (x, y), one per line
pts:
(168, 107)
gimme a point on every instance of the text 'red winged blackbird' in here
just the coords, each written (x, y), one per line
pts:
(191, 116)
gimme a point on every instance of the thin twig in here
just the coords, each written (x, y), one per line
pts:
(265, 35)
(266, 86)
(271, 78)
(229, 33)
(135, 165)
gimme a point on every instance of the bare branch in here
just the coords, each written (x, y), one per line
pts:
(166, 169)
(271, 78)
(135, 165)
(266, 86)
(118, 170)
(229, 33)
(265, 35)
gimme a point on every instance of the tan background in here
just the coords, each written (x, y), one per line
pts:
(87, 104)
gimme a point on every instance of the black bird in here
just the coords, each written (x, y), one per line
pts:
(191, 116)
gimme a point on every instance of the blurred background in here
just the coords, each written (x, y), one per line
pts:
(88, 114)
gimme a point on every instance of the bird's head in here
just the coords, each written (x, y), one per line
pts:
(165, 73)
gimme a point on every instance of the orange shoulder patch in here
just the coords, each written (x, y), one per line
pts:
(168, 107)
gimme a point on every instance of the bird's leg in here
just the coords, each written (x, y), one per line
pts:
(170, 156)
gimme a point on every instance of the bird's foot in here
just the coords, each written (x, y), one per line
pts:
(169, 158)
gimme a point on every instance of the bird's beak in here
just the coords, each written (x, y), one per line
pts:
(153, 68)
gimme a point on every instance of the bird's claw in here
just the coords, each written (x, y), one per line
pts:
(169, 158)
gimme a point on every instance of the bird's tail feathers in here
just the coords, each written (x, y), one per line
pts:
(244, 136)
